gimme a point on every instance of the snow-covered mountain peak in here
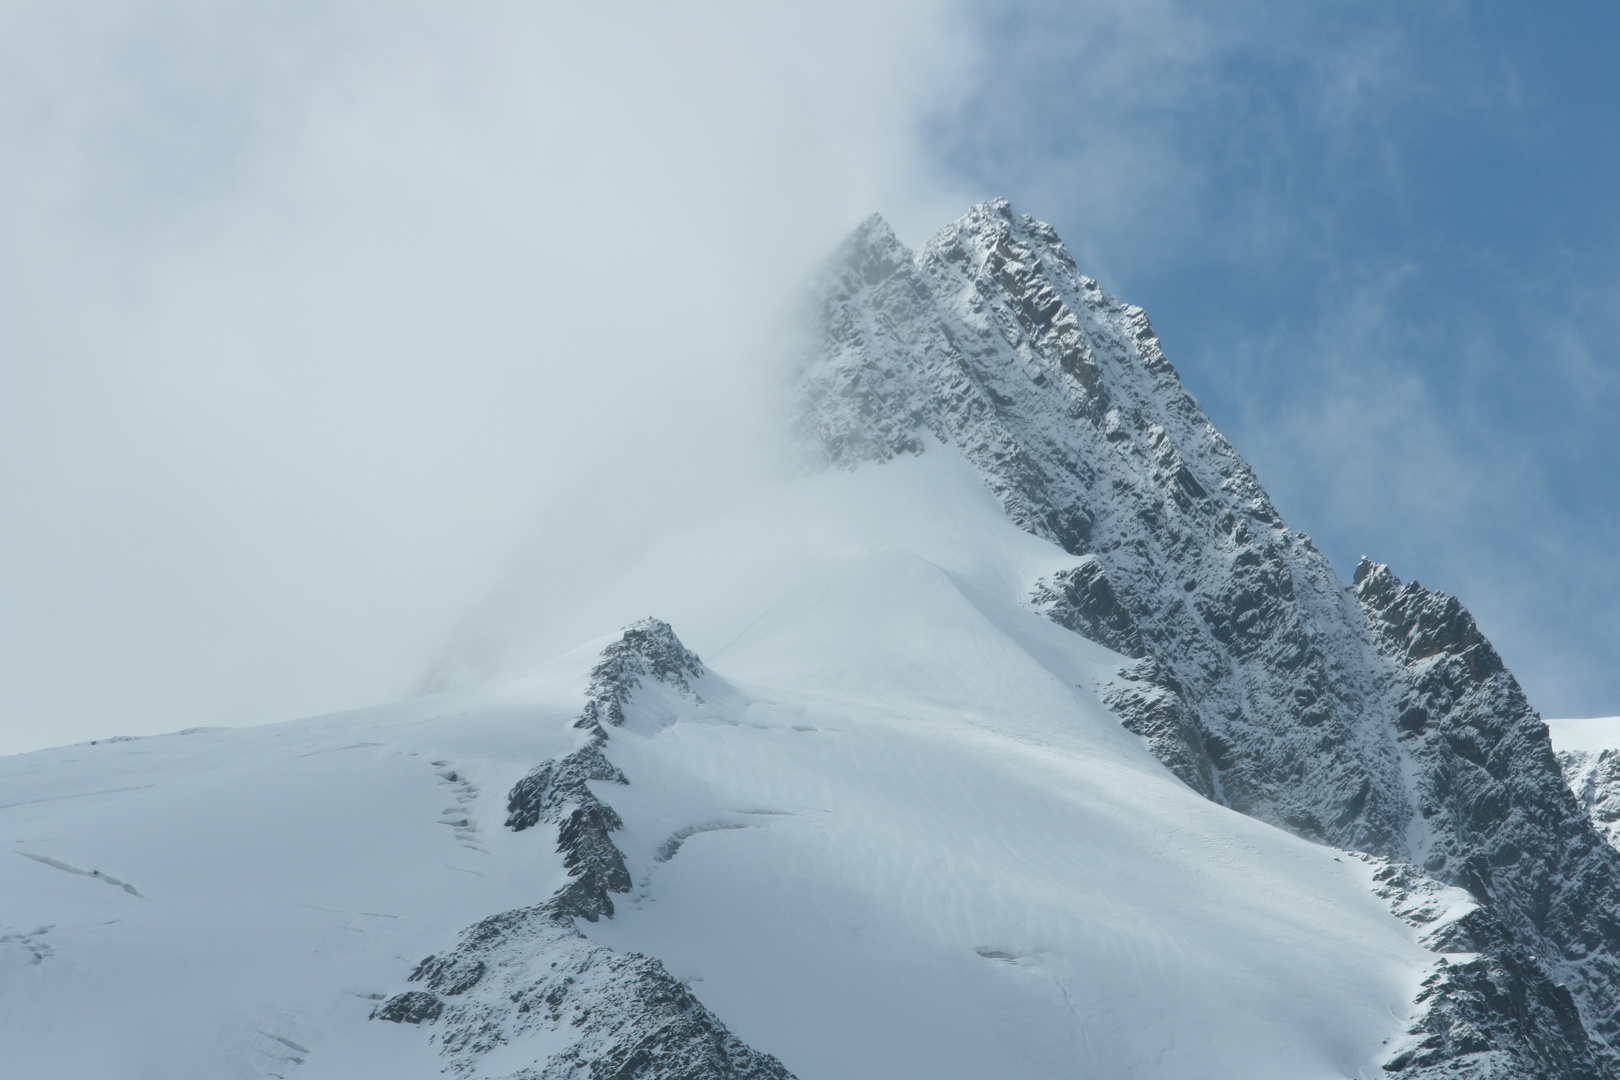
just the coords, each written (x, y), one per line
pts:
(989, 340)
(1027, 740)
(872, 252)
(647, 649)
(994, 227)
(1374, 717)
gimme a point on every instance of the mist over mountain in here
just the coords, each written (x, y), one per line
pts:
(315, 312)
(1000, 728)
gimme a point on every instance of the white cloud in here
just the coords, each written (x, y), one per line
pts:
(309, 310)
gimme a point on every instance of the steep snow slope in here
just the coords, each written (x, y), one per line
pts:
(888, 829)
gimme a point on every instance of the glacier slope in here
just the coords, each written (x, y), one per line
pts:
(901, 836)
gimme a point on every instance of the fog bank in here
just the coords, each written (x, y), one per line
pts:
(314, 318)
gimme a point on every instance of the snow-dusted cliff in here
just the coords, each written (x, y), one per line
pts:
(1375, 717)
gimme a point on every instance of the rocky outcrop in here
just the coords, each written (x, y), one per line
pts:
(1497, 817)
(1082, 599)
(1374, 718)
(558, 792)
(1147, 699)
(1487, 1008)
(529, 970)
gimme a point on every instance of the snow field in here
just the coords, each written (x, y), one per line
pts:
(899, 838)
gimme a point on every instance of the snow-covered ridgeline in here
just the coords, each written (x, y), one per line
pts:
(526, 985)
(989, 339)
(1375, 719)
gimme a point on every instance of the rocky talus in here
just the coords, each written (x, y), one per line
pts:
(527, 972)
(1373, 717)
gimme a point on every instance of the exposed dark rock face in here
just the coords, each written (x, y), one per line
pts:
(1148, 701)
(531, 969)
(557, 792)
(1375, 719)
(552, 785)
(649, 649)
(1487, 1008)
(411, 1007)
(1499, 819)
(1082, 599)
(1494, 1015)
(1147, 697)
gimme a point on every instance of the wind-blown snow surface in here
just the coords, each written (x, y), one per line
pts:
(899, 836)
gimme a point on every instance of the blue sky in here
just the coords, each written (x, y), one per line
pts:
(1381, 242)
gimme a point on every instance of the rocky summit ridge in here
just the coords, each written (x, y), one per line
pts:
(531, 971)
(1372, 716)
